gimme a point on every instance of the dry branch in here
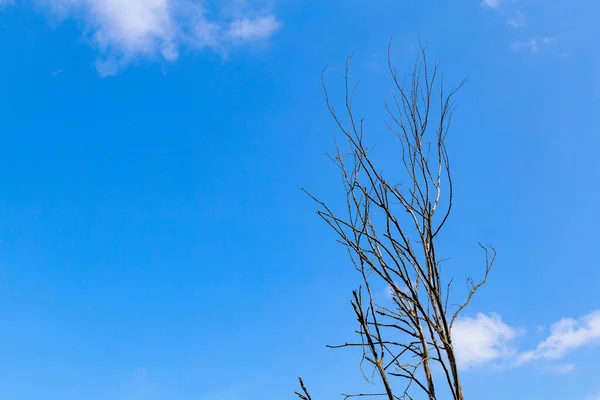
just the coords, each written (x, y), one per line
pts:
(390, 231)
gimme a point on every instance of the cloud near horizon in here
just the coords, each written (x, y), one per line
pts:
(125, 30)
(486, 339)
(566, 335)
(481, 340)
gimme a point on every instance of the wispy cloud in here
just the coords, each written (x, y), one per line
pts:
(566, 336)
(252, 29)
(125, 30)
(516, 18)
(481, 340)
(594, 397)
(490, 3)
(532, 45)
(390, 291)
(561, 368)
(509, 10)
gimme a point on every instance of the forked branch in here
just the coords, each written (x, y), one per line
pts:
(391, 231)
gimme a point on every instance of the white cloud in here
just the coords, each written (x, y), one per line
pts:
(509, 10)
(490, 3)
(533, 45)
(516, 19)
(562, 368)
(481, 340)
(566, 335)
(125, 30)
(487, 339)
(257, 28)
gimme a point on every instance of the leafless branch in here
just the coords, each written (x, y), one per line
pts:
(390, 231)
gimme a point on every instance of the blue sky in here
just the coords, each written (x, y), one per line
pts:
(154, 240)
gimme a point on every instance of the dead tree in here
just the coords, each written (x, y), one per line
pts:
(391, 231)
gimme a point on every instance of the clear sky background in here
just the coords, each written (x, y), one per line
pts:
(154, 240)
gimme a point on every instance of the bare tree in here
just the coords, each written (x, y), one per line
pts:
(391, 231)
